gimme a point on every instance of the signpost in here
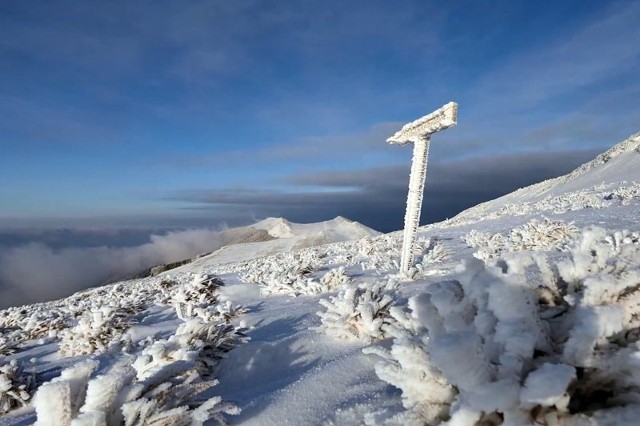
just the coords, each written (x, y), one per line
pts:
(419, 133)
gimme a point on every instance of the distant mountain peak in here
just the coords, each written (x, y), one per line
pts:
(342, 219)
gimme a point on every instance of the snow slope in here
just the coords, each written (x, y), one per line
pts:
(524, 310)
(615, 168)
(285, 236)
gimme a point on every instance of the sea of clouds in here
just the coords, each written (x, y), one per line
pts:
(39, 271)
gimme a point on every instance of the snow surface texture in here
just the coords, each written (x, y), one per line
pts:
(545, 330)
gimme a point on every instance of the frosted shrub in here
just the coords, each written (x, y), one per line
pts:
(624, 193)
(489, 246)
(542, 235)
(202, 289)
(432, 252)
(195, 341)
(45, 324)
(358, 312)
(8, 343)
(334, 279)
(285, 281)
(220, 311)
(98, 331)
(15, 386)
(491, 347)
(381, 253)
(78, 397)
(295, 280)
(518, 209)
(426, 393)
(535, 235)
(19, 325)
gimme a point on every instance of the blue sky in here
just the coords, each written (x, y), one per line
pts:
(152, 113)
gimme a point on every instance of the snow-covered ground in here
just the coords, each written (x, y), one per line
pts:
(523, 310)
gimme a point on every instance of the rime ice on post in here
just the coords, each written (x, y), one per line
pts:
(419, 133)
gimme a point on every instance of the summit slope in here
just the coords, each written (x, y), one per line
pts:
(611, 170)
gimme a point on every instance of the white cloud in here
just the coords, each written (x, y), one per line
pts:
(35, 272)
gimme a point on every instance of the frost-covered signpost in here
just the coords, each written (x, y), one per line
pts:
(419, 133)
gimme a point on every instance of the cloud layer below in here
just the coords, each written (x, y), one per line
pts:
(36, 272)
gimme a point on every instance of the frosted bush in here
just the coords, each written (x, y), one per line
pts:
(535, 235)
(489, 245)
(542, 235)
(358, 312)
(19, 325)
(220, 311)
(78, 397)
(285, 281)
(426, 394)
(45, 324)
(380, 254)
(8, 343)
(624, 193)
(195, 341)
(432, 252)
(500, 345)
(15, 386)
(98, 331)
(518, 209)
(202, 289)
(160, 386)
(294, 282)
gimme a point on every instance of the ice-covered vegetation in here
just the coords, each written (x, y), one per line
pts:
(294, 274)
(161, 385)
(535, 235)
(430, 252)
(16, 386)
(172, 396)
(195, 341)
(359, 312)
(523, 340)
(98, 331)
(157, 382)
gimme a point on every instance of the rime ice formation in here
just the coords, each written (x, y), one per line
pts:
(490, 343)
(534, 235)
(358, 312)
(16, 386)
(419, 133)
